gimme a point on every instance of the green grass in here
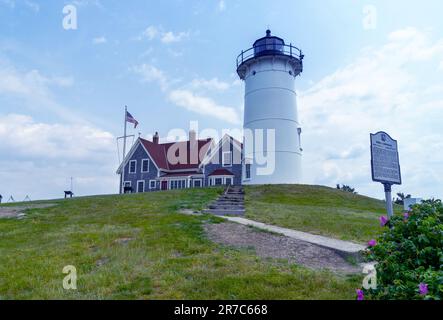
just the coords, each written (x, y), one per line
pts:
(315, 209)
(168, 258)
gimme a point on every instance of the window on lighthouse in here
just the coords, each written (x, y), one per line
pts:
(299, 138)
(247, 168)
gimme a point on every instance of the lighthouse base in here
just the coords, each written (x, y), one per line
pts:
(280, 168)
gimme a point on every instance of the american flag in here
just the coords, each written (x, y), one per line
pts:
(131, 119)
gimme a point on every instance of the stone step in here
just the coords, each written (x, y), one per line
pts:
(230, 203)
(227, 203)
(233, 196)
(226, 207)
(225, 212)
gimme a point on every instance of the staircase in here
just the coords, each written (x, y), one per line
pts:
(231, 202)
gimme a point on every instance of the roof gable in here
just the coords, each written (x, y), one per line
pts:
(161, 152)
(131, 153)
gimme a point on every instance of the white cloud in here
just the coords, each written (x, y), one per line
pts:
(38, 158)
(151, 32)
(166, 37)
(150, 73)
(99, 40)
(23, 137)
(34, 90)
(203, 105)
(185, 97)
(379, 90)
(211, 84)
(170, 37)
(441, 65)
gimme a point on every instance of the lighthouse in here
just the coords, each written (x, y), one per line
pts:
(272, 132)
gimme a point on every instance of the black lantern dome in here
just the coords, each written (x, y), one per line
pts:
(268, 45)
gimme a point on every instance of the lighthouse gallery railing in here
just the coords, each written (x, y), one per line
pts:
(269, 49)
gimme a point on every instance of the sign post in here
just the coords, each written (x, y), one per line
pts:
(385, 164)
(388, 197)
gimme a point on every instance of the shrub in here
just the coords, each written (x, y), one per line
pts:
(346, 188)
(409, 255)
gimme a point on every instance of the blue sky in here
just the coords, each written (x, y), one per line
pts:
(62, 92)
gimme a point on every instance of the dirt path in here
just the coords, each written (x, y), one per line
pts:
(268, 245)
(14, 212)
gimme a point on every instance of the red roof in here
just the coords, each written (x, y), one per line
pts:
(221, 172)
(159, 153)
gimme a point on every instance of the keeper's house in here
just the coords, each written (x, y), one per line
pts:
(153, 166)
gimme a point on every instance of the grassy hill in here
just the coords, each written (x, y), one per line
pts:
(140, 247)
(316, 209)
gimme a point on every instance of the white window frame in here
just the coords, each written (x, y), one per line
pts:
(178, 182)
(215, 181)
(141, 167)
(144, 184)
(230, 159)
(201, 183)
(135, 167)
(150, 184)
(223, 178)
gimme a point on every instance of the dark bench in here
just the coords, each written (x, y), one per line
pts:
(69, 193)
(127, 189)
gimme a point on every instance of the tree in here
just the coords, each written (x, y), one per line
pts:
(346, 188)
(401, 198)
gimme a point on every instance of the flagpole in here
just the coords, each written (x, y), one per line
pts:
(124, 152)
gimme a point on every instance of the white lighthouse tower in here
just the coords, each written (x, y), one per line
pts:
(269, 70)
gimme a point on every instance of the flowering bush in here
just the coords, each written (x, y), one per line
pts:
(409, 255)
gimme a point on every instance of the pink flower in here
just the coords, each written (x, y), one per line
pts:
(360, 295)
(372, 243)
(383, 221)
(423, 289)
(406, 215)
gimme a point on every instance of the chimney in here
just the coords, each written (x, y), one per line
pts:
(155, 138)
(192, 136)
